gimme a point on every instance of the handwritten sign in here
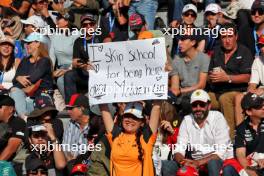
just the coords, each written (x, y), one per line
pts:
(128, 71)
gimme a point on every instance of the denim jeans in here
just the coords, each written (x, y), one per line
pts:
(147, 8)
(229, 171)
(60, 85)
(24, 105)
(179, 4)
(214, 167)
(169, 168)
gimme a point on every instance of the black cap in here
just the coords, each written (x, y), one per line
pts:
(251, 100)
(5, 100)
(33, 163)
(258, 4)
(79, 100)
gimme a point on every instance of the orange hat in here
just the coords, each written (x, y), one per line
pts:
(145, 35)
(261, 40)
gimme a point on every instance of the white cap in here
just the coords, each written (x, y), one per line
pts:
(37, 128)
(188, 7)
(213, 7)
(35, 21)
(34, 37)
(200, 95)
(135, 109)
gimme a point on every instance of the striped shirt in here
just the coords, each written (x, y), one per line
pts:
(75, 138)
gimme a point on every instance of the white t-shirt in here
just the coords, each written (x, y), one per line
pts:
(212, 138)
(257, 71)
(8, 78)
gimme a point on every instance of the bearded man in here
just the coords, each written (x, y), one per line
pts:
(203, 142)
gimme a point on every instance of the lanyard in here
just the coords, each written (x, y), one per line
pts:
(256, 41)
(111, 22)
(85, 43)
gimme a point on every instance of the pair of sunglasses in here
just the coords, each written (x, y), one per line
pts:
(260, 11)
(199, 103)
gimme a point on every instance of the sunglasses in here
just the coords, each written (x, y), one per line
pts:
(201, 104)
(91, 24)
(40, 134)
(187, 14)
(35, 172)
(258, 107)
(254, 11)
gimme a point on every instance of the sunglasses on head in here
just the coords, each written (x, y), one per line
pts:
(186, 14)
(201, 104)
(254, 11)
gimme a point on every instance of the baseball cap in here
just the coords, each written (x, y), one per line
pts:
(251, 100)
(34, 163)
(35, 21)
(258, 4)
(37, 128)
(213, 7)
(188, 7)
(200, 95)
(135, 109)
(6, 39)
(5, 100)
(78, 100)
(136, 21)
(42, 104)
(79, 169)
(89, 16)
(34, 37)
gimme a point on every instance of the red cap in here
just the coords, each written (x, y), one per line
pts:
(187, 171)
(79, 168)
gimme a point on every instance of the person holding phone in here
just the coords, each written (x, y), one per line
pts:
(78, 76)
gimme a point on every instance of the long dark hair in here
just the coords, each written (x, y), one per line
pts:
(140, 150)
(10, 62)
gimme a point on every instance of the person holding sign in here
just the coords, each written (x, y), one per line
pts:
(132, 144)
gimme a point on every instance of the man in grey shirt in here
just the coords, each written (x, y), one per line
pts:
(189, 72)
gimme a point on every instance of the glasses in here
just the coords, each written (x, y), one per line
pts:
(40, 134)
(187, 14)
(91, 24)
(201, 104)
(41, 171)
(258, 107)
(254, 11)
